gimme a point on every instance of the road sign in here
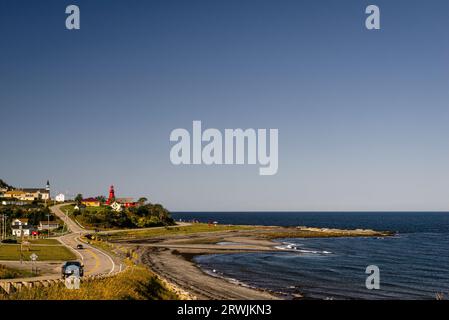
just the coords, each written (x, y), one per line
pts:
(34, 257)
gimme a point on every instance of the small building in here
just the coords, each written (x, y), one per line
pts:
(20, 222)
(126, 202)
(19, 231)
(28, 194)
(20, 227)
(60, 198)
(117, 207)
(48, 226)
(79, 207)
(14, 202)
(91, 202)
(16, 194)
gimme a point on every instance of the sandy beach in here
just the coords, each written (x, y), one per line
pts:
(171, 259)
(185, 275)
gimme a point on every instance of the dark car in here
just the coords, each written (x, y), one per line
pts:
(69, 267)
(9, 241)
(79, 246)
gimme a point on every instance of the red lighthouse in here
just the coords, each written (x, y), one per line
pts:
(111, 197)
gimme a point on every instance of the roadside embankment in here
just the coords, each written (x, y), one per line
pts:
(135, 283)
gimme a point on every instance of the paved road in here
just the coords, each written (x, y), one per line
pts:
(95, 261)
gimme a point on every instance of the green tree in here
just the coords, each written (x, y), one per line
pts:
(142, 201)
(102, 199)
(79, 198)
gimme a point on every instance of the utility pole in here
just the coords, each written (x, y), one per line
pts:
(21, 244)
(48, 224)
(3, 227)
(65, 220)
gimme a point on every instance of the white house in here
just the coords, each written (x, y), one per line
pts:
(20, 227)
(48, 226)
(60, 198)
(20, 222)
(117, 207)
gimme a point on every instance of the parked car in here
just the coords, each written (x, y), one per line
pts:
(68, 268)
(79, 246)
(9, 241)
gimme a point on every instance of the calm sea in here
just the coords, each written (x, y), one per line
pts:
(413, 265)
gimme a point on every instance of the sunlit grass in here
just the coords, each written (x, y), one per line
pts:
(135, 283)
(176, 230)
(11, 273)
(44, 253)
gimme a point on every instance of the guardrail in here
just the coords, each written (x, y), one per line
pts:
(8, 287)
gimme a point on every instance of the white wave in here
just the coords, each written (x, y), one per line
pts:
(286, 246)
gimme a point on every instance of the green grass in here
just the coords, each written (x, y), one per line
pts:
(330, 233)
(135, 283)
(45, 253)
(70, 208)
(257, 231)
(169, 231)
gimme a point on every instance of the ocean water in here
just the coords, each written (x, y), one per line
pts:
(414, 264)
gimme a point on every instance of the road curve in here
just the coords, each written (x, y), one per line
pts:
(96, 262)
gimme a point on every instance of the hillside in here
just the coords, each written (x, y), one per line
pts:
(3, 184)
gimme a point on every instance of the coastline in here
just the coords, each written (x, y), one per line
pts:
(171, 259)
(190, 282)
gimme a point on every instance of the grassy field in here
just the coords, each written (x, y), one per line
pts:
(256, 231)
(135, 283)
(45, 241)
(45, 253)
(320, 233)
(70, 208)
(168, 231)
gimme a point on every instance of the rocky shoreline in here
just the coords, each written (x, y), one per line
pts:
(171, 258)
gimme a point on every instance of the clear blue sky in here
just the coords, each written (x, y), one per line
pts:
(363, 116)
